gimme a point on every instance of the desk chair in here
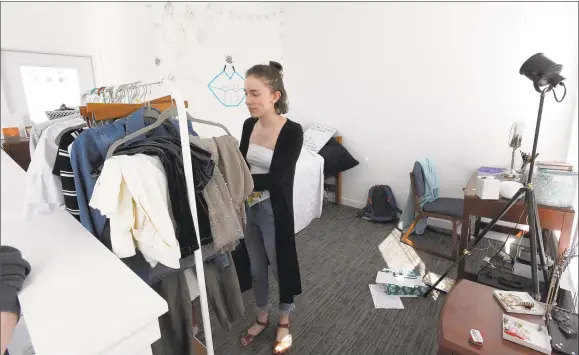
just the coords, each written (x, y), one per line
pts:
(445, 208)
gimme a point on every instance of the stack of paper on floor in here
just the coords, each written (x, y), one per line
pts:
(514, 302)
(527, 334)
(384, 301)
(400, 283)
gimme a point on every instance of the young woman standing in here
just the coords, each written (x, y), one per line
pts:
(271, 145)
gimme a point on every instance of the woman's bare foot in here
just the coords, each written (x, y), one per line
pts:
(255, 330)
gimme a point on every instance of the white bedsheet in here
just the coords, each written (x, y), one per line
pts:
(308, 189)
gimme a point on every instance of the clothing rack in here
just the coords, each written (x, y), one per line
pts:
(188, 167)
(138, 90)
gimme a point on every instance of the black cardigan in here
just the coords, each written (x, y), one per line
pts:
(280, 183)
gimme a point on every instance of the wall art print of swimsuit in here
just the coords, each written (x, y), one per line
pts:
(228, 88)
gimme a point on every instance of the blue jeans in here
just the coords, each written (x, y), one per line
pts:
(260, 243)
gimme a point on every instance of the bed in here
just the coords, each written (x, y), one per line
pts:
(308, 189)
(309, 185)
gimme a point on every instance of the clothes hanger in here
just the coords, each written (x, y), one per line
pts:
(118, 94)
(149, 111)
(172, 112)
(209, 123)
(132, 93)
(167, 102)
(144, 130)
(97, 111)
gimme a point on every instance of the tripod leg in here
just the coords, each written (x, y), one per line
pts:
(542, 255)
(533, 239)
(464, 253)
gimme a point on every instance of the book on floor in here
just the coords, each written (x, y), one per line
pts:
(384, 301)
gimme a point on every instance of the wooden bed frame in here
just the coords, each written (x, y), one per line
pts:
(339, 180)
(337, 188)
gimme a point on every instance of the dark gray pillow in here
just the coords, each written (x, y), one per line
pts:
(336, 158)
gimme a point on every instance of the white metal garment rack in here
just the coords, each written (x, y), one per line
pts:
(132, 90)
(188, 166)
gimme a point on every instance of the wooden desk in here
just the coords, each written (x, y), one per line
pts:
(71, 306)
(18, 148)
(552, 218)
(470, 305)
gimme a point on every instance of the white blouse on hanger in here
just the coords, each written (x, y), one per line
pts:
(44, 189)
(132, 191)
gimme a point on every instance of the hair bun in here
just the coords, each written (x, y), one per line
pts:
(276, 66)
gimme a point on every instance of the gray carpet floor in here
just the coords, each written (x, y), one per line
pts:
(339, 256)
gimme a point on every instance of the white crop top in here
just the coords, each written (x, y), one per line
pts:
(259, 160)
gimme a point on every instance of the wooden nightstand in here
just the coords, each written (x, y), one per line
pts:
(18, 148)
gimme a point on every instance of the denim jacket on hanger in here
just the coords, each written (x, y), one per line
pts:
(89, 151)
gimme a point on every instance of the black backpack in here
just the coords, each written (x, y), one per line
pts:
(381, 205)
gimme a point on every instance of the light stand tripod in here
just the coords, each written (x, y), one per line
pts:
(536, 235)
(543, 72)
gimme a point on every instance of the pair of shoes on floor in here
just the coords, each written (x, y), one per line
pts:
(280, 347)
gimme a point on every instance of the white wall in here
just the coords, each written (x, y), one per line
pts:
(124, 39)
(58, 27)
(52, 28)
(405, 80)
(398, 80)
(34, 27)
(192, 44)
(572, 153)
(5, 112)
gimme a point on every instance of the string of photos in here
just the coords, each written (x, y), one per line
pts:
(179, 18)
(217, 9)
(208, 24)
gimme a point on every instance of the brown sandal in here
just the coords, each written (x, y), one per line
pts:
(249, 338)
(284, 345)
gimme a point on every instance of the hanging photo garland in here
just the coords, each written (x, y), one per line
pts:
(169, 8)
(183, 25)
